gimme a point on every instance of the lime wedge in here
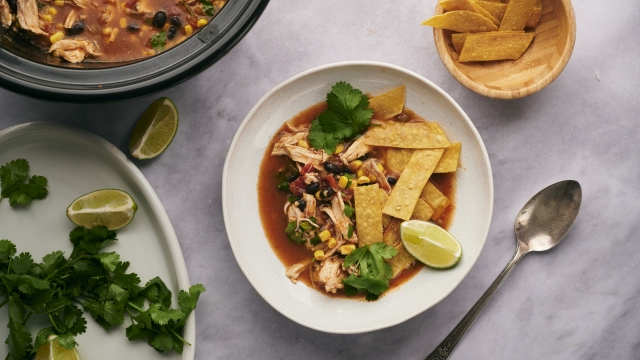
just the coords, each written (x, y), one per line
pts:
(430, 244)
(53, 351)
(155, 130)
(111, 208)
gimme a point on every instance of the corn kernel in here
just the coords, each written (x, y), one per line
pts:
(107, 31)
(355, 165)
(380, 167)
(56, 37)
(360, 173)
(373, 178)
(52, 11)
(58, 3)
(303, 144)
(188, 29)
(363, 180)
(47, 18)
(202, 22)
(318, 195)
(123, 23)
(343, 181)
(324, 235)
(354, 184)
(319, 255)
(332, 243)
(347, 249)
(59, 26)
(339, 148)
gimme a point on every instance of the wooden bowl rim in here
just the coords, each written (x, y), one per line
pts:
(445, 56)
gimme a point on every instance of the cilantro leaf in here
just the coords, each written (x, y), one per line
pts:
(348, 211)
(109, 260)
(208, 8)
(67, 341)
(14, 171)
(21, 263)
(374, 272)
(158, 41)
(12, 177)
(347, 115)
(162, 343)
(7, 250)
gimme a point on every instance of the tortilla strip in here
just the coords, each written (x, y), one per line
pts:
(368, 214)
(495, 46)
(405, 194)
(461, 21)
(386, 219)
(449, 161)
(397, 158)
(401, 261)
(496, 10)
(389, 104)
(535, 16)
(518, 14)
(467, 5)
(434, 198)
(422, 211)
(418, 135)
(392, 233)
(458, 41)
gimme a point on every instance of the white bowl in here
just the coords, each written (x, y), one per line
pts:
(306, 306)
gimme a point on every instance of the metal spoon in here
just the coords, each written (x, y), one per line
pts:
(539, 226)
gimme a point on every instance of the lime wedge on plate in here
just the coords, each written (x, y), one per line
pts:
(111, 208)
(155, 130)
(430, 244)
(53, 351)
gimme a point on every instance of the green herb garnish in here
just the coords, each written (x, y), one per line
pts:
(348, 211)
(12, 179)
(374, 271)
(346, 117)
(158, 41)
(208, 8)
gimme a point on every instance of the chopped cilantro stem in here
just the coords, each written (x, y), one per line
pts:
(179, 337)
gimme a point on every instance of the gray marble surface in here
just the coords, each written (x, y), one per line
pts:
(579, 301)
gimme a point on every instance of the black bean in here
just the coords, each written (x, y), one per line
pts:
(175, 21)
(291, 177)
(133, 27)
(13, 5)
(76, 29)
(329, 192)
(332, 168)
(172, 33)
(363, 157)
(313, 188)
(391, 180)
(159, 19)
(301, 204)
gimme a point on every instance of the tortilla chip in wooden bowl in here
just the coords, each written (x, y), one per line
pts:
(538, 66)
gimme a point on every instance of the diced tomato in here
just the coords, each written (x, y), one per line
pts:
(306, 169)
(193, 21)
(131, 4)
(173, 11)
(332, 182)
(298, 186)
(347, 194)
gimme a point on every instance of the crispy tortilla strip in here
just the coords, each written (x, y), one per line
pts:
(401, 261)
(449, 161)
(392, 233)
(467, 5)
(398, 158)
(438, 202)
(518, 14)
(368, 214)
(496, 10)
(495, 46)
(458, 41)
(422, 211)
(389, 104)
(386, 219)
(461, 21)
(405, 194)
(419, 135)
(536, 15)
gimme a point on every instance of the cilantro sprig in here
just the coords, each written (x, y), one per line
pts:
(60, 289)
(12, 183)
(347, 115)
(208, 8)
(374, 272)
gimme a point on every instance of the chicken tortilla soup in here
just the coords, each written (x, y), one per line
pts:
(106, 30)
(338, 180)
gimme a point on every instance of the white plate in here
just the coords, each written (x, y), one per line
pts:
(474, 199)
(77, 162)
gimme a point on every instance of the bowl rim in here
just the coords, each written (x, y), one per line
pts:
(226, 182)
(131, 79)
(462, 78)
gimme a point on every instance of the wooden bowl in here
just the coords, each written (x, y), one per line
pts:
(543, 61)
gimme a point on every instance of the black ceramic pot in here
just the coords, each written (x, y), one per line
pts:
(30, 71)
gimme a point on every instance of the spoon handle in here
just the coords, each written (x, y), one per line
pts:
(445, 348)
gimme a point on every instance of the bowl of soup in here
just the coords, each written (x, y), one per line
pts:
(97, 51)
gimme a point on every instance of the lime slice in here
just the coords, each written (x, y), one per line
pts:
(111, 208)
(430, 244)
(155, 130)
(53, 351)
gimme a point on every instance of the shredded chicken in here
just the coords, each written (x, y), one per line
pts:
(341, 221)
(329, 273)
(310, 178)
(70, 19)
(28, 16)
(371, 168)
(105, 18)
(292, 211)
(81, 3)
(5, 13)
(310, 209)
(287, 145)
(288, 139)
(355, 150)
(75, 50)
(294, 271)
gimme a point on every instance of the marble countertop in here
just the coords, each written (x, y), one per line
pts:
(578, 301)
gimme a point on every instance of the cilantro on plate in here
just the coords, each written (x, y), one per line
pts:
(374, 272)
(347, 115)
(12, 183)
